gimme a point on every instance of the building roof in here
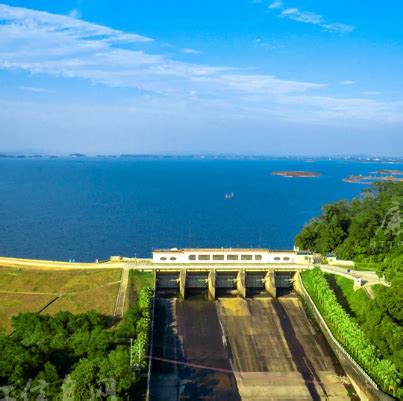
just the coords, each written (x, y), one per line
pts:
(182, 250)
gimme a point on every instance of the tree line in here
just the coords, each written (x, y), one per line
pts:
(369, 230)
(76, 357)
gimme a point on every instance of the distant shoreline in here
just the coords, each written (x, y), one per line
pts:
(307, 159)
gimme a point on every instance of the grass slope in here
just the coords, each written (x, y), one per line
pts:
(12, 304)
(25, 290)
(355, 303)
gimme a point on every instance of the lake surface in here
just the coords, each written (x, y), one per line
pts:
(85, 209)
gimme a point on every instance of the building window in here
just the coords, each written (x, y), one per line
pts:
(218, 257)
(163, 258)
(232, 257)
(286, 258)
(258, 257)
(277, 258)
(192, 257)
(246, 257)
(204, 257)
(172, 258)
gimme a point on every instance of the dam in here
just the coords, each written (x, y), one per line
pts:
(229, 326)
(217, 272)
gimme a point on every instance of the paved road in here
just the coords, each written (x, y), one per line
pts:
(369, 277)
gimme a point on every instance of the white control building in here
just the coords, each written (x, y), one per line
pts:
(230, 256)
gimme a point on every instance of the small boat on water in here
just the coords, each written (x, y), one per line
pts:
(229, 195)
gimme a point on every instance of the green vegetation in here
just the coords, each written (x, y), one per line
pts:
(11, 304)
(350, 334)
(368, 230)
(78, 291)
(101, 299)
(76, 357)
(55, 281)
(372, 266)
(354, 302)
(137, 280)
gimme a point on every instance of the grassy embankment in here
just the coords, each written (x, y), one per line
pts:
(137, 281)
(355, 303)
(77, 291)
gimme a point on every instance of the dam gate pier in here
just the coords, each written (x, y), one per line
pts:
(214, 283)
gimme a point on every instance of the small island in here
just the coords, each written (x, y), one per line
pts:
(390, 172)
(370, 179)
(299, 174)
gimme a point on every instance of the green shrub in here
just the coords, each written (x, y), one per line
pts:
(349, 333)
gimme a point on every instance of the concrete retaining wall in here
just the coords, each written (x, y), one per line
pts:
(342, 263)
(367, 389)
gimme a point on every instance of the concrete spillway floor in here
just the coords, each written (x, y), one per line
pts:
(277, 354)
(233, 349)
(190, 357)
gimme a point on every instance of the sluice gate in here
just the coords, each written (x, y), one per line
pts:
(283, 282)
(167, 282)
(226, 283)
(213, 283)
(255, 283)
(197, 283)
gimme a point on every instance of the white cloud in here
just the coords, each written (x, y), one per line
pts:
(308, 17)
(34, 89)
(62, 46)
(59, 45)
(302, 16)
(74, 13)
(371, 93)
(276, 5)
(267, 84)
(188, 50)
(338, 27)
(348, 82)
(18, 21)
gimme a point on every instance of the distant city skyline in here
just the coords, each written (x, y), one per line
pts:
(246, 77)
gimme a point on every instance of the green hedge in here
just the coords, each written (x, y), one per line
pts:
(141, 343)
(349, 333)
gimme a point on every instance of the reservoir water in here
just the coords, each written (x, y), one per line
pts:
(88, 208)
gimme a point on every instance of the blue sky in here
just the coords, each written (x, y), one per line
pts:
(239, 76)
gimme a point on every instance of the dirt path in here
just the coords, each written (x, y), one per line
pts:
(120, 299)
